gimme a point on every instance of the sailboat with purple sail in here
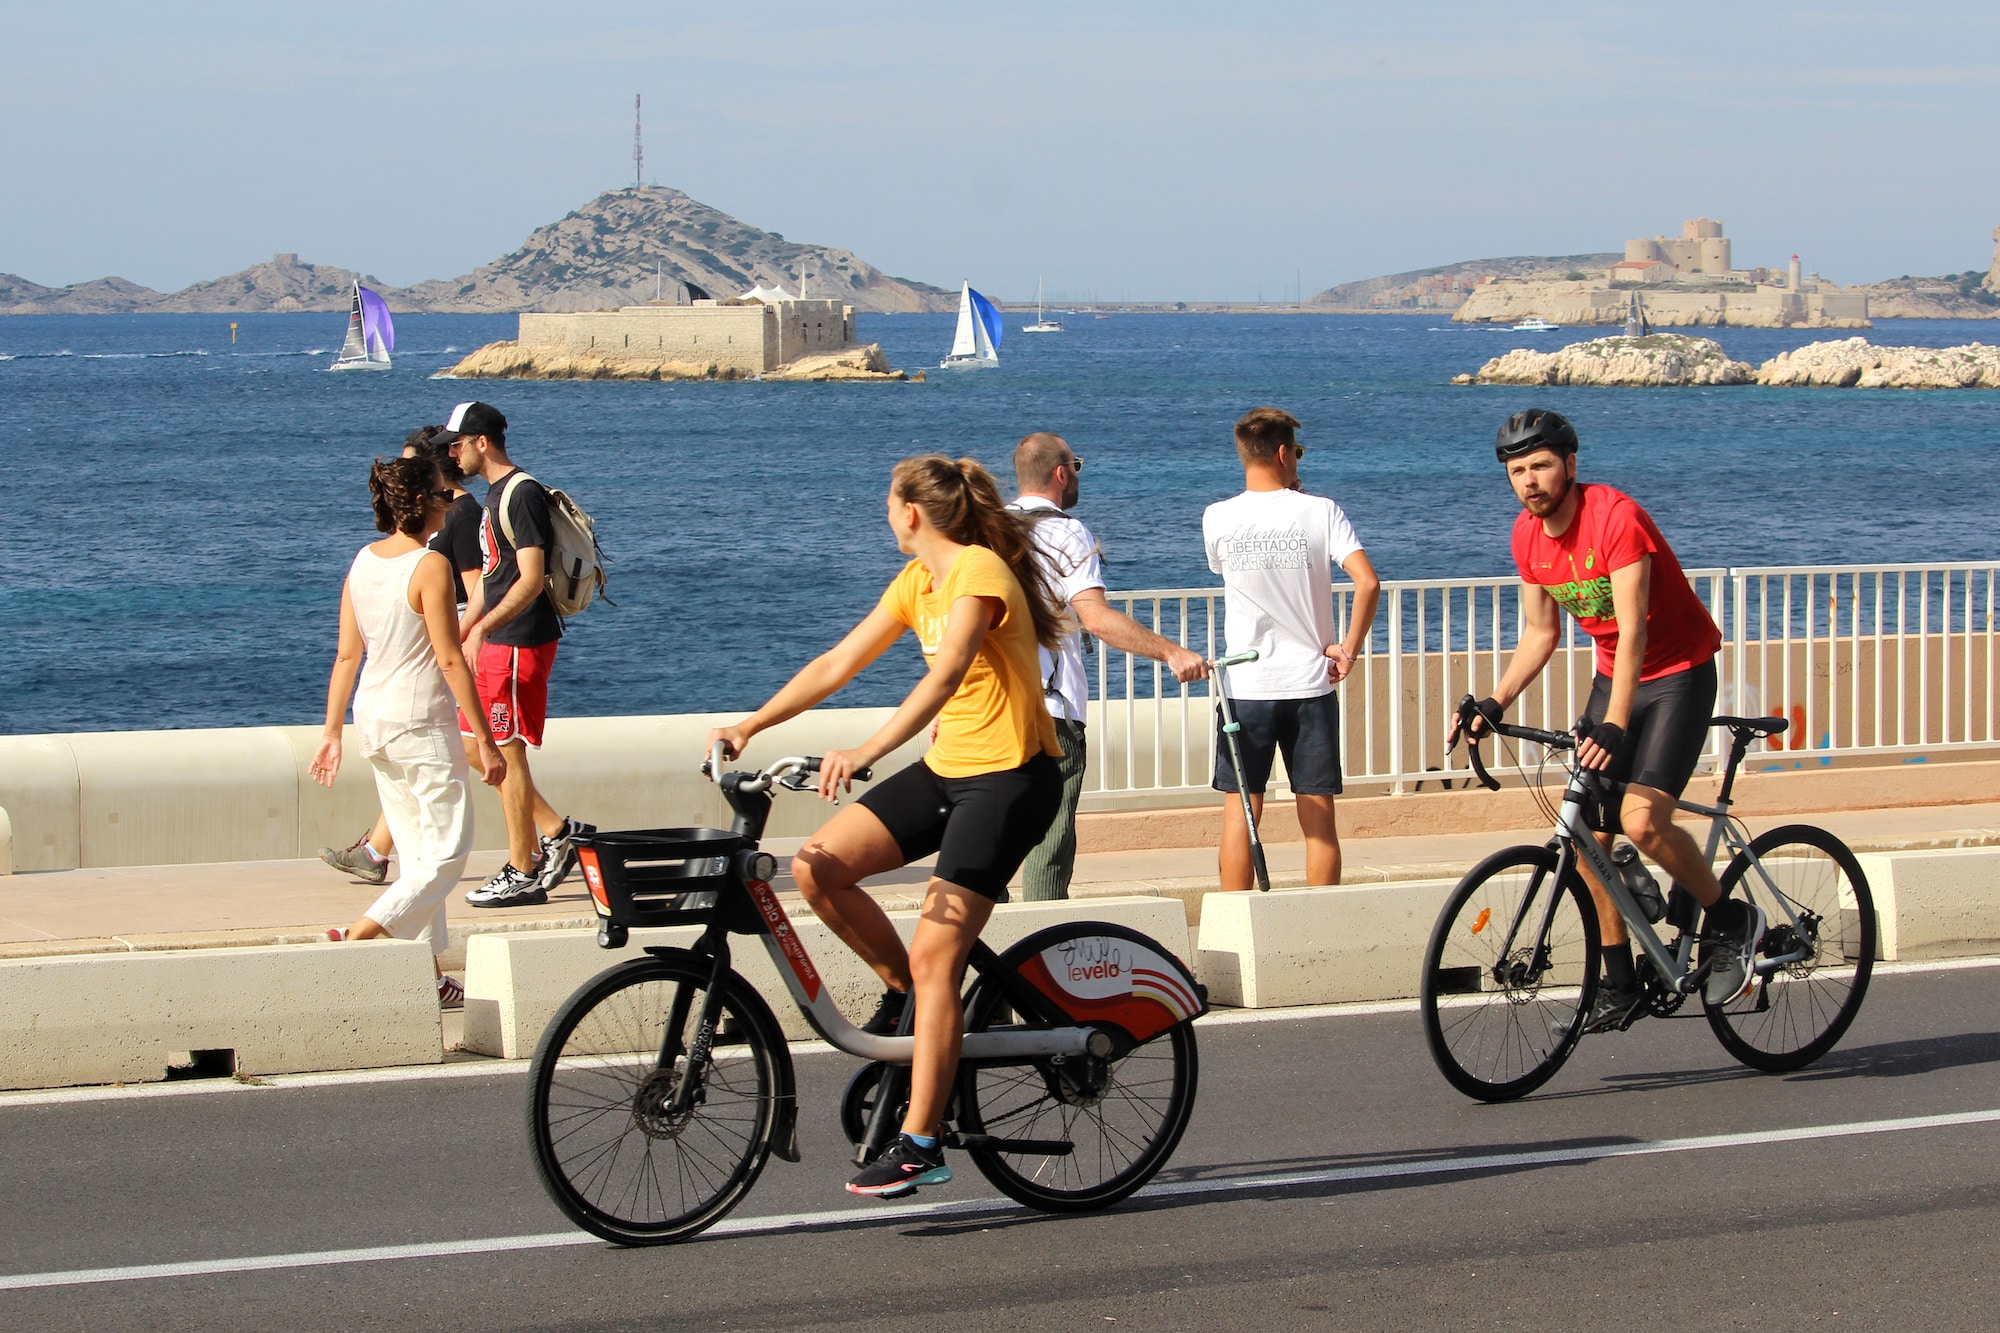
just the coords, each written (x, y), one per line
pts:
(371, 335)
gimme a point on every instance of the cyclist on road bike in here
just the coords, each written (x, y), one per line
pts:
(1592, 551)
(981, 798)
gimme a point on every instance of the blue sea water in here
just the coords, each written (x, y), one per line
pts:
(183, 510)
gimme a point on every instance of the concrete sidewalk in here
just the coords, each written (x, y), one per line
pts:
(272, 902)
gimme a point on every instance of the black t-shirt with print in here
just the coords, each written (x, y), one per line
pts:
(458, 540)
(528, 510)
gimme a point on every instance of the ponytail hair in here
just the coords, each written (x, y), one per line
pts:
(400, 489)
(962, 501)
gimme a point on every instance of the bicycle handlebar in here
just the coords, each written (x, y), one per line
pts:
(1468, 710)
(797, 765)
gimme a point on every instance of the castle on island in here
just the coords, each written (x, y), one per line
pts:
(1687, 280)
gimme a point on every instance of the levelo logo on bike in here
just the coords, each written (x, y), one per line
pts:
(1092, 967)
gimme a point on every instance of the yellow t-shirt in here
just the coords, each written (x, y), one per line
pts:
(996, 720)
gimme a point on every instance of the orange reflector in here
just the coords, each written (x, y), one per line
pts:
(1479, 922)
(593, 875)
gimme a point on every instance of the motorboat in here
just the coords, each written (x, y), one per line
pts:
(1536, 326)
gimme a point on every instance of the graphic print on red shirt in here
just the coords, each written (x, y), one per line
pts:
(1609, 532)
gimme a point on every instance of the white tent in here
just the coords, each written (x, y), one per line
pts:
(768, 295)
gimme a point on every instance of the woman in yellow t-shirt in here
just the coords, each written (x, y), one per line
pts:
(981, 798)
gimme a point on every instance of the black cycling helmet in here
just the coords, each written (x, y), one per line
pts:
(1536, 428)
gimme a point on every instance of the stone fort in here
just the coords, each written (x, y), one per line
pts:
(752, 336)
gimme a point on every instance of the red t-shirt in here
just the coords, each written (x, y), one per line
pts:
(1611, 531)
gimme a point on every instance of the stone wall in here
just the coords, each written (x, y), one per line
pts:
(1586, 303)
(752, 338)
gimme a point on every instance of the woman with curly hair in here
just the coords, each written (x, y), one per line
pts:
(981, 797)
(399, 633)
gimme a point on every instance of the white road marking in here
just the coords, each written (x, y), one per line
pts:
(838, 1218)
(492, 1067)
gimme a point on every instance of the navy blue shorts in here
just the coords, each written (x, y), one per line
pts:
(1306, 731)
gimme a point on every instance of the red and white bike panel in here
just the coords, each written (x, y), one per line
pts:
(1111, 979)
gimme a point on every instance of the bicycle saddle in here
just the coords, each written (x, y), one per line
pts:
(1751, 726)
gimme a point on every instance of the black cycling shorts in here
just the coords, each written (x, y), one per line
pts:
(981, 827)
(1669, 727)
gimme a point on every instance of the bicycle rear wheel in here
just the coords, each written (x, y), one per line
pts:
(1797, 1014)
(615, 1153)
(1510, 968)
(1123, 1117)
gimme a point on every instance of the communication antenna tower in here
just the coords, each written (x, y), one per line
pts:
(638, 148)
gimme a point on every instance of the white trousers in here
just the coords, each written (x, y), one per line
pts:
(424, 784)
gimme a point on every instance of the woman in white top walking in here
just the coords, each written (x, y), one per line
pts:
(397, 610)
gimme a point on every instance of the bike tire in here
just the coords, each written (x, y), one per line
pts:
(1498, 1026)
(615, 1161)
(1124, 1116)
(1800, 1012)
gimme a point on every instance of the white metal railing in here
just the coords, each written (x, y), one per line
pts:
(1862, 659)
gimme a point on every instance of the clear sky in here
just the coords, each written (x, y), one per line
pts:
(1155, 150)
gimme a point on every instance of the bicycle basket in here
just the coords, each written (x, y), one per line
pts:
(656, 877)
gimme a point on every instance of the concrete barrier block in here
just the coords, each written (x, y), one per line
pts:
(1935, 904)
(1317, 946)
(6, 843)
(120, 1018)
(514, 983)
(39, 789)
(173, 797)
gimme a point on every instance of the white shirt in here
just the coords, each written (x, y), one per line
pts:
(1275, 551)
(1068, 554)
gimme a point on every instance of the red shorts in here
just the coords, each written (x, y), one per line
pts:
(513, 685)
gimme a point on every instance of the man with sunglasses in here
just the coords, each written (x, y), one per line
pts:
(1275, 547)
(1049, 475)
(1592, 551)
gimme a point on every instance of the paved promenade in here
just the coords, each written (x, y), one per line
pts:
(264, 902)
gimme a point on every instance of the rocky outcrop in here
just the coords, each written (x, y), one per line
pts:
(1657, 360)
(850, 363)
(1358, 295)
(614, 251)
(1962, 297)
(1853, 363)
(513, 361)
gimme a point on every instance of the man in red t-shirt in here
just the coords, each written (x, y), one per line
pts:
(1593, 552)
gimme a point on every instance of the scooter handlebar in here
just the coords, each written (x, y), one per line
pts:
(1236, 659)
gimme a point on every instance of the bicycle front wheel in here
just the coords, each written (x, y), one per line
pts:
(1816, 904)
(625, 1151)
(1122, 1117)
(1510, 969)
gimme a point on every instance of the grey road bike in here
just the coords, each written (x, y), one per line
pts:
(1511, 967)
(664, 1085)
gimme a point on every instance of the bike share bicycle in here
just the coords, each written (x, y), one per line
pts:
(1512, 964)
(663, 1085)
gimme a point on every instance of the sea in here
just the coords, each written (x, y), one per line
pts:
(187, 491)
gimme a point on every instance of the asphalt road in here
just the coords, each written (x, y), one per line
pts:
(1652, 1180)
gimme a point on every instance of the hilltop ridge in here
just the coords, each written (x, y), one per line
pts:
(605, 254)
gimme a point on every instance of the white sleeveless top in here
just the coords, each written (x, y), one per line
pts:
(401, 686)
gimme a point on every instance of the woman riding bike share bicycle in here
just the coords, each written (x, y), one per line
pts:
(981, 798)
(1593, 552)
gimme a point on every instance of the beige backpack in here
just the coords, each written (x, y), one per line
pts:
(575, 573)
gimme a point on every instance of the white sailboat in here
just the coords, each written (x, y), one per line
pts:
(371, 335)
(1042, 324)
(977, 342)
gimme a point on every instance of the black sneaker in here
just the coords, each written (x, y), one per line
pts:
(1612, 1010)
(559, 853)
(900, 1170)
(888, 1015)
(509, 888)
(1735, 951)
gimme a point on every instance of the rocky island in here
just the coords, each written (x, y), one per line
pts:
(1653, 361)
(1662, 360)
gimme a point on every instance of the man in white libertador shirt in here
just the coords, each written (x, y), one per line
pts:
(1046, 470)
(1275, 547)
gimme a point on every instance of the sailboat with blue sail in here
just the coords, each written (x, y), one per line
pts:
(371, 334)
(977, 342)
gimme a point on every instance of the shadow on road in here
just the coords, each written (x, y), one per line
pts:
(1898, 1059)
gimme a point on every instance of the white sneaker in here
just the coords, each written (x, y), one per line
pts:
(509, 888)
(559, 853)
